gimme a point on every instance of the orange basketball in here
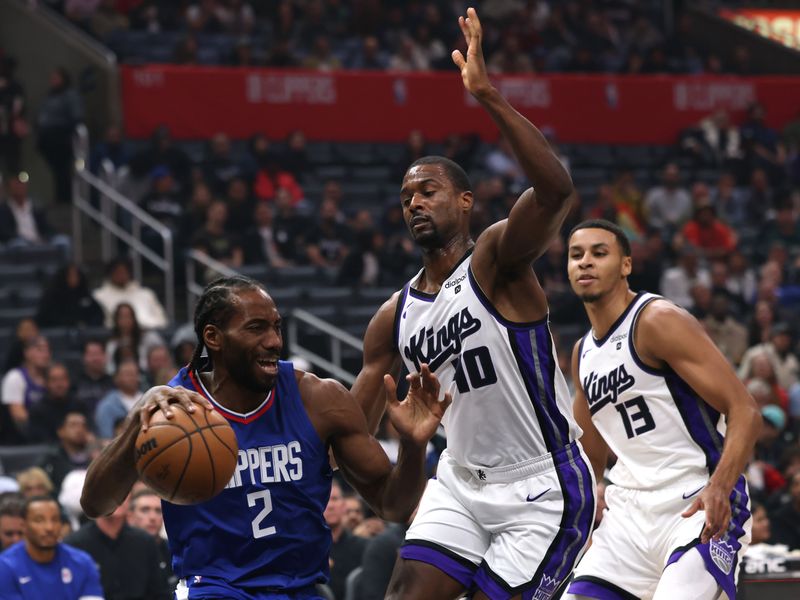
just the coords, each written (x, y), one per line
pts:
(189, 458)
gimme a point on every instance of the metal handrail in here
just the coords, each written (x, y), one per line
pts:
(337, 338)
(193, 289)
(82, 182)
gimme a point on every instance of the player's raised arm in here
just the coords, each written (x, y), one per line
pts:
(667, 334)
(593, 443)
(540, 211)
(380, 358)
(392, 492)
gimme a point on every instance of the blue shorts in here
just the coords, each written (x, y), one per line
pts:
(212, 588)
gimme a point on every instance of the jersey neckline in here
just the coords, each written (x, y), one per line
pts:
(245, 418)
(428, 296)
(615, 325)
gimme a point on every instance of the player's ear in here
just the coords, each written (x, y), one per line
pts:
(626, 265)
(466, 200)
(212, 337)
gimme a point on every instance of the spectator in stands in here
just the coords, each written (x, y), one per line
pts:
(295, 158)
(216, 241)
(23, 224)
(741, 280)
(24, 386)
(259, 244)
(668, 206)
(704, 231)
(626, 193)
(128, 340)
(713, 141)
(779, 352)
(60, 112)
(67, 301)
(240, 205)
(106, 19)
(160, 366)
(163, 152)
(34, 482)
(500, 161)
(118, 402)
(93, 382)
(729, 201)
(13, 124)
(270, 178)
(145, 513)
(759, 200)
(120, 286)
(42, 566)
(322, 57)
(12, 522)
(761, 531)
(26, 330)
(328, 242)
(729, 335)
(784, 229)
(347, 549)
(369, 57)
(47, 415)
(207, 16)
(408, 57)
(510, 58)
(194, 217)
(353, 510)
(128, 557)
(220, 167)
(289, 228)
(361, 265)
(786, 519)
(164, 200)
(73, 450)
(646, 267)
(762, 145)
(677, 281)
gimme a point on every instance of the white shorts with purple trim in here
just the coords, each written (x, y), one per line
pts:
(512, 531)
(643, 532)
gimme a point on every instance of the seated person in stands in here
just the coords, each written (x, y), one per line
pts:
(22, 224)
(67, 301)
(120, 286)
(24, 386)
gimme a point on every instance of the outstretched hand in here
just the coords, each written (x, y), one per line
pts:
(473, 67)
(417, 417)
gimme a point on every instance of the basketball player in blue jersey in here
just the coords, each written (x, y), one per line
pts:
(264, 536)
(652, 387)
(513, 502)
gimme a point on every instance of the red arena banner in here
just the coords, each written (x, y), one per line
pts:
(197, 102)
(780, 25)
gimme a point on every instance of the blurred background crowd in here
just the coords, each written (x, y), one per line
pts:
(713, 220)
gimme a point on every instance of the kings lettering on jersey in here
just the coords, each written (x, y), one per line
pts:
(436, 347)
(606, 389)
(268, 464)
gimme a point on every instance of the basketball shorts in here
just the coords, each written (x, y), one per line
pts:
(643, 532)
(212, 588)
(506, 531)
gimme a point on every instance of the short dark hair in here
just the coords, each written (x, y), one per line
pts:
(140, 494)
(457, 176)
(34, 499)
(12, 504)
(216, 306)
(622, 239)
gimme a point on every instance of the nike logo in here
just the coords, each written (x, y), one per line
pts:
(24, 580)
(529, 499)
(687, 496)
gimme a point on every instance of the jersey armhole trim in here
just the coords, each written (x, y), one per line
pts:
(577, 375)
(398, 311)
(632, 345)
(487, 304)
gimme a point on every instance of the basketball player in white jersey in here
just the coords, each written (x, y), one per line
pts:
(512, 505)
(652, 387)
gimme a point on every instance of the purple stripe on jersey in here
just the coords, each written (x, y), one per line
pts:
(595, 590)
(548, 363)
(700, 418)
(460, 572)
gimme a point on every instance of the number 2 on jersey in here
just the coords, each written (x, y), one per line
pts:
(264, 496)
(474, 367)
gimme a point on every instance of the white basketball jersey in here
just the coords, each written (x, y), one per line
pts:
(510, 401)
(660, 430)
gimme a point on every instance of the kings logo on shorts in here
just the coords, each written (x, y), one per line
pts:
(546, 589)
(722, 554)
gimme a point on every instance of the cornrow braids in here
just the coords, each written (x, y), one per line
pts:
(216, 306)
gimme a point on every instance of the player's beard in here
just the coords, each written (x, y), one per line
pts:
(590, 298)
(241, 369)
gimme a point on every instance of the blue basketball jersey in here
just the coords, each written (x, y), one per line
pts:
(266, 529)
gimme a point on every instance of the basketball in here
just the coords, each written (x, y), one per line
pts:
(189, 458)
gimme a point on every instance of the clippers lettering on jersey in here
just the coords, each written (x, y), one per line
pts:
(606, 389)
(435, 348)
(268, 464)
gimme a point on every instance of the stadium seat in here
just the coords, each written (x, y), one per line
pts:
(18, 458)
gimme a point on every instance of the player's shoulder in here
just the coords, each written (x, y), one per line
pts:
(659, 312)
(319, 389)
(11, 555)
